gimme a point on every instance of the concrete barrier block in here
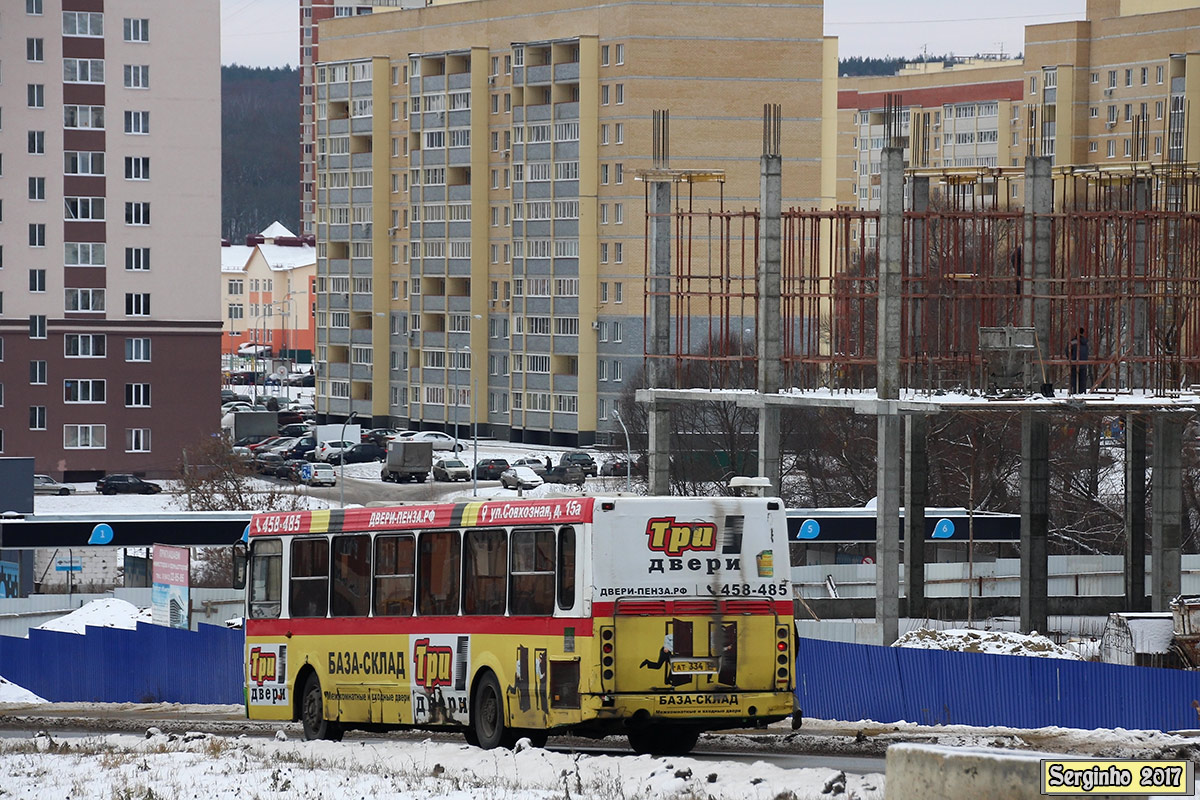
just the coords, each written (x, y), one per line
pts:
(933, 772)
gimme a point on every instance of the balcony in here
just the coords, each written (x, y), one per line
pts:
(568, 72)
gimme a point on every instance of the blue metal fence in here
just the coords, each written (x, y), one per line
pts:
(112, 665)
(837, 680)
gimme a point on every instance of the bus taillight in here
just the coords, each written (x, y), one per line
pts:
(607, 654)
(783, 656)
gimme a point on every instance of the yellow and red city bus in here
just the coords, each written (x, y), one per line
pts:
(655, 617)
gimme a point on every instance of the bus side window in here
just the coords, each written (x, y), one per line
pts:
(395, 564)
(566, 568)
(351, 576)
(266, 578)
(438, 572)
(531, 590)
(485, 568)
(310, 578)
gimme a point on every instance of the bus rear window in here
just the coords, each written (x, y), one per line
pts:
(266, 578)
(566, 568)
(351, 576)
(531, 592)
(437, 573)
(310, 578)
(394, 575)
(485, 563)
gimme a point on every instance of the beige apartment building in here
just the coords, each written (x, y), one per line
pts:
(111, 155)
(1111, 91)
(477, 172)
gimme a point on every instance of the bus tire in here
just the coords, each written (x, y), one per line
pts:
(663, 740)
(487, 715)
(312, 713)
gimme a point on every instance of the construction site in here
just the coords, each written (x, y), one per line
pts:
(1078, 301)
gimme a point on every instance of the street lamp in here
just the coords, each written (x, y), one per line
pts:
(342, 461)
(628, 453)
(454, 399)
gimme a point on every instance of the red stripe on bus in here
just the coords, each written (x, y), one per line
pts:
(693, 607)
(378, 626)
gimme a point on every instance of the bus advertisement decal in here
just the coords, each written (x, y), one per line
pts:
(439, 679)
(268, 675)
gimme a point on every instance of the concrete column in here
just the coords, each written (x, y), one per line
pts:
(917, 258)
(662, 375)
(1166, 521)
(1135, 513)
(1039, 204)
(916, 491)
(887, 465)
(1137, 343)
(1035, 519)
(770, 314)
(660, 449)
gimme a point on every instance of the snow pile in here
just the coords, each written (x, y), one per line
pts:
(1004, 643)
(11, 693)
(107, 613)
(161, 765)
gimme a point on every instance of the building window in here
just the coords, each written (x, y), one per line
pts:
(83, 163)
(37, 280)
(35, 50)
(83, 437)
(618, 294)
(83, 70)
(37, 326)
(604, 92)
(88, 390)
(604, 55)
(137, 168)
(37, 373)
(87, 209)
(620, 94)
(137, 259)
(137, 122)
(138, 30)
(37, 188)
(83, 23)
(35, 95)
(85, 345)
(137, 395)
(37, 418)
(37, 234)
(33, 7)
(137, 213)
(1158, 74)
(137, 304)
(83, 117)
(86, 300)
(137, 349)
(137, 76)
(137, 440)
(37, 143)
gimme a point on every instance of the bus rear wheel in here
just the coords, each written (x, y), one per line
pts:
(663, 740)
(312, 713)
(487, 715)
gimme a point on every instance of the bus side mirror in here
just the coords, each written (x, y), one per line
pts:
(239, 565)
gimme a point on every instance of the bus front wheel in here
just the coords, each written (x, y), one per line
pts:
(312, 713)
(487, 715)
(663, 740)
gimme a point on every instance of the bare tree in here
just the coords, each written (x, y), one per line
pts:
(214, 479)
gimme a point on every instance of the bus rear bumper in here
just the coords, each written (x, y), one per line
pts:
(714, 709)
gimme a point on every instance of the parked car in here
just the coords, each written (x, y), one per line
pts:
(450, 469)
(289, 417)
(320, 474)
(538, 465)
(615, 467)
(244, 455)
(44, 484)
(290, 469)
(566, 474)
(253, 438)
(302, 379)
(580, 459)
(359, 454)
(267, 463)
(378, 436)
(304, 447)
(520, 477)
(295, 429)
(124, 483)
(439, 440)
(332, 447)
(489, 469)
(267, 443)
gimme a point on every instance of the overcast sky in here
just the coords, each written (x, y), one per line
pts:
(264, 33)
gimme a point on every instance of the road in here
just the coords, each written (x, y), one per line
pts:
(360, 491)
(784, 750)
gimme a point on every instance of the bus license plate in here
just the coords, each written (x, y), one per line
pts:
(692, 666)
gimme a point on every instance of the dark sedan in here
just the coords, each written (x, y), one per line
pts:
(490, 469)
(268, 463)
(359, 454)
(126, 484)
